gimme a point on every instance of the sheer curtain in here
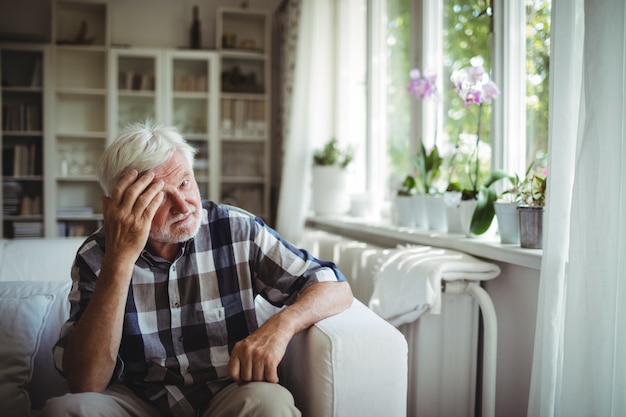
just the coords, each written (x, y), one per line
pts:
(579, 362)
(309, 120)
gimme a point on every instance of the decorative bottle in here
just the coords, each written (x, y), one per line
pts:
(195, 30)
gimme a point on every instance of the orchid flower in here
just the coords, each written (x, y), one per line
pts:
(422, 87)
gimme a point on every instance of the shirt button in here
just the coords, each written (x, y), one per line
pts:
(173, 268)
(180, 339)
(176, 305)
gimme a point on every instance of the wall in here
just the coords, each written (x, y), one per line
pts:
(514, 294)
(166, 23)
(149, 23)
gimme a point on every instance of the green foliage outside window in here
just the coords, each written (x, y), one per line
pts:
(398, 101)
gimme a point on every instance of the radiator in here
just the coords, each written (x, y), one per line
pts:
(443, 349)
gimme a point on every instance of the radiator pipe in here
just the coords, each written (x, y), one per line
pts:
(490, 338)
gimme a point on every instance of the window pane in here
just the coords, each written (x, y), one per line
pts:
(466, 35)
(398, 109)
(537, 79)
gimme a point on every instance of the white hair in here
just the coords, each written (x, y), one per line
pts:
(141, 146)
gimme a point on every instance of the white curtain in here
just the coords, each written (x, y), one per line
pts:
(310, 113)
(579, 362)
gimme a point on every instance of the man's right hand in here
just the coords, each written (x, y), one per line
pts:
(128, 214)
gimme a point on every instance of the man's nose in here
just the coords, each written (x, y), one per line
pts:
(177, 200)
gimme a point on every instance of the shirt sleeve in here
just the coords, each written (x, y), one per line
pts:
(283, 271)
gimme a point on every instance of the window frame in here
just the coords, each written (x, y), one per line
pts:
(508, 121)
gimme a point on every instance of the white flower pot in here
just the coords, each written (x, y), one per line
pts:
(508, 222)
(459, 213)
(436, 212)
(419, 211)
(404, 211)
(330, 192)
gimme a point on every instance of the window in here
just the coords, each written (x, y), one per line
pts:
(511, 38)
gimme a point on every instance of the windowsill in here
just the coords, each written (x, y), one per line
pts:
(384, 234)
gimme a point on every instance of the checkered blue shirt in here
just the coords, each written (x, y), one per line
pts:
(183, 318)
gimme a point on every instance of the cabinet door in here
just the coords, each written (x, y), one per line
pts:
(22, 140)
(135, 82)
(192, 88)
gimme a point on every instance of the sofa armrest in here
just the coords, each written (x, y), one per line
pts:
(350, 364)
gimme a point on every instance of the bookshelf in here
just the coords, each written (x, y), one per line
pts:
(22, 139)
(243, 38)
(80, 36)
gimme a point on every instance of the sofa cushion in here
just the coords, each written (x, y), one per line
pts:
(21, 326)
(48, 259)
(46, 380)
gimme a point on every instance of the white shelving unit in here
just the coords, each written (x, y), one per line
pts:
(81, 40)
(218, 99)
(243, 38)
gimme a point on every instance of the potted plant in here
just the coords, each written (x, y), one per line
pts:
(330, 163)
(404, 213)
(428, 199)
(473, 85)
(506, 211)
(531, 210)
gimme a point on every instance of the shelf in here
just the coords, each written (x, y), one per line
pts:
(243, 54)
(29, 217)
(81, 92)
(26, 90)
(20, 178)
(386, 235)
(242, 180)
(22, 133)
(77, 178)
(82, 135)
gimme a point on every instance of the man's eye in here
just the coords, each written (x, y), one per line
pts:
(184, 183)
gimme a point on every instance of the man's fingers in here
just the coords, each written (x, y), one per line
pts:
(233, 369)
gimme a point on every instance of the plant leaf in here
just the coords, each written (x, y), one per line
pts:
(484, 212)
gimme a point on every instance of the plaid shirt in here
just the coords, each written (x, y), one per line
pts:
(183, 318)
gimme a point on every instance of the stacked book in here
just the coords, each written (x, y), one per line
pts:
(75, 211)
(12, 192)
(27, 229)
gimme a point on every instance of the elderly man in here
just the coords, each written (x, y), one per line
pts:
(162, 315)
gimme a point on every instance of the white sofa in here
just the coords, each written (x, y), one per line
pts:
(352, 364)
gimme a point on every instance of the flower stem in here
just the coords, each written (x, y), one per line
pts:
(475, 182)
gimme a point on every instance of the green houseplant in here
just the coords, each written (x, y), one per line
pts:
(330, 190)
(331, 154)
(426, 164)
(533, 199)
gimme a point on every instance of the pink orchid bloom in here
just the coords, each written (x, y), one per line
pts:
(421, 87)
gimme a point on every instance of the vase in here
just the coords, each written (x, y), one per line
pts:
(508, 222)
(436, 213)
(531, 227)
(403, 211)
(459, 213)
(419, 211)
(452, 201)
(330, 192)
